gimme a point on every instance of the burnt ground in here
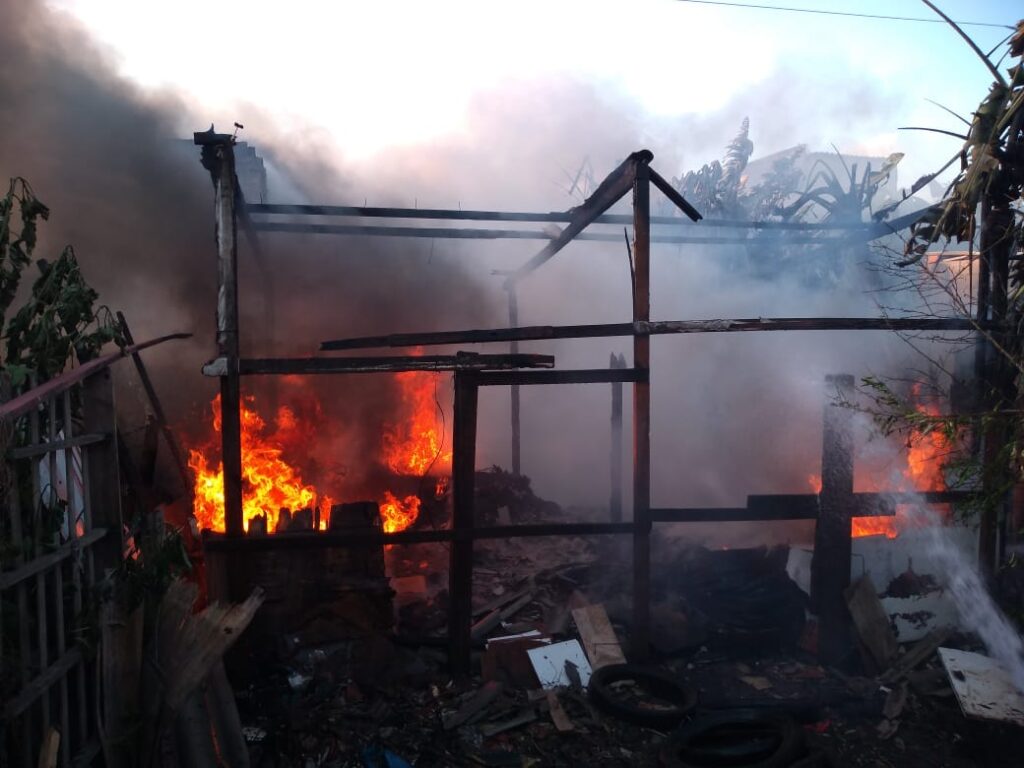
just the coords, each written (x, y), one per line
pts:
(729, 627)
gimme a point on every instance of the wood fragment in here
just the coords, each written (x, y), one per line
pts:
(50, 749)
(523, 718)
(871, 622)
(598, 636)
(918, 654)
(482, 699)
(559, 716)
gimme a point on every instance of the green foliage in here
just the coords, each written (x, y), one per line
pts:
(59, 320)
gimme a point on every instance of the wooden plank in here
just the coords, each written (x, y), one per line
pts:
(43, 563)
(598, 636)
(32, 451)
(102, 475)
(50, 749)
(40, 684)
(640, 639)
(514, 404)
(871, 622)
(673, 195)
(654, 328)
(917, 654)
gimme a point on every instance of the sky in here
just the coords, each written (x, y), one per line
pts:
(367, 77)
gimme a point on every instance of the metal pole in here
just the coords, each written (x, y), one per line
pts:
(615, 499)
(513, 321)
(641, 416)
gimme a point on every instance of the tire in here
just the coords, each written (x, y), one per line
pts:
(747, 738)
(661, 684)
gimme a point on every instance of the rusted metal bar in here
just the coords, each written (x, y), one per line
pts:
(654, 328)
(36, 396)
(616, 363)
(219, 159)
(324, 365)
(609, 192)
(830, 568)
(640, 636)
(158, 410)
(460, 570)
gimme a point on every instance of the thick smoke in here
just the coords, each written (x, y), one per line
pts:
(733, 414)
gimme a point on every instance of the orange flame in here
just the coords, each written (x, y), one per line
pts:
(269, 483)
(925, 454)
(397, 515)
(414, 445)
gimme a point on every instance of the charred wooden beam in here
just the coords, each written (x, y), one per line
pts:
(609, 192)
(158, 411)
(460, 567)
(640, 635)
(673, 195)
(218, 157)
(654, 328)
(514, 403)
(325, 365)
(830, 567)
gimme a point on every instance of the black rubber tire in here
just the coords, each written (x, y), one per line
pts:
(661, 684)
(753, 750)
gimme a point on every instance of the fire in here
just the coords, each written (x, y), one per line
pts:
(397, 515)
(925, 454)
(269, 483)
(413, 446)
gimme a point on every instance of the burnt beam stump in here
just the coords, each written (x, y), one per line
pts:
(830, 567)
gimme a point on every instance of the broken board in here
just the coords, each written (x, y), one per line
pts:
(598, 636)
(983, 687)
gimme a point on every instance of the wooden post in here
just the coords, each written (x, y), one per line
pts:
(513, 321)
(830, 568)
(460, 569)
(640, 644)
(219, 159)
(615, 497)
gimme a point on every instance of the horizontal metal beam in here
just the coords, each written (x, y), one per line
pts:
(215, 542)
(652, 328)
(397, 364)
(585, 376)
(470, 233)
(554, 217)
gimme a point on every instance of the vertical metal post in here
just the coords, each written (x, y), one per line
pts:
(830, 568)
(615, 497)
(219, 159)
(641, 415)
(460, 568)
(513, 321)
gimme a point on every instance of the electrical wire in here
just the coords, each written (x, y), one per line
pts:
(854, 14)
